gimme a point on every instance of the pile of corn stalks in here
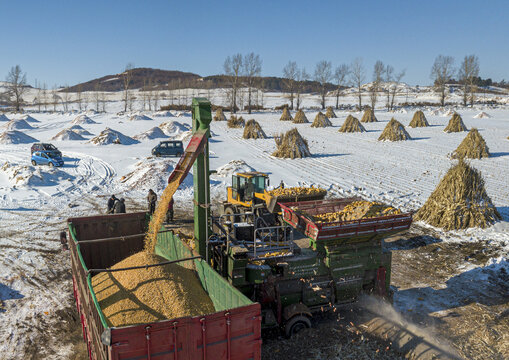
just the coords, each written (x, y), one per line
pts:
(358, 210)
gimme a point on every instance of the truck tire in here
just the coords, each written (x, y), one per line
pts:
(296, 324)
(34, 163)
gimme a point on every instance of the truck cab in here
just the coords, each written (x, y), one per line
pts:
(169, 148)
(247, 187)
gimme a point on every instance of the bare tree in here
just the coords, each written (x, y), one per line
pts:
(394, 87)
(54, 98)
(16, 87)
(357, 77)
(323, 75)
(467, 72)
(340, 76)
(39, 95)
(378, 72)
(291, 74)
(232, 68)
(388, 78)
(441, 72)
(65, 98)
(156, 98)
(302, 77)
(97, 96)
(252, 66)
(127, 76)
(44, 96)
(79, 96)
(103, 101)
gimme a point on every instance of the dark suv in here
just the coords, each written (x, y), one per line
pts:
(45, 147)
(169, 148)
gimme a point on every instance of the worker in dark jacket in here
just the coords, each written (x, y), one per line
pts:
(151, 199)
(111, 204)
(119, 206)
(169, 213)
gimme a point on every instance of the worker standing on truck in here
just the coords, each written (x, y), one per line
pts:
(151, 199)
(119, 206)
(111, 204)
(169, 213)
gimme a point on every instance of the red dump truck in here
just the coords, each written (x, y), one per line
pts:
(98, 242)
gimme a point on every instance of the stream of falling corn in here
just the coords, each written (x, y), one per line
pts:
(160, 214)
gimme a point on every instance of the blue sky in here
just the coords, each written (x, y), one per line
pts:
(66, 42)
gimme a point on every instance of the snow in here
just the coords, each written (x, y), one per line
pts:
(233, 167)
(4, 118)
(16, 137)
(163, 114)
(29, 118)
(68, 134)
(17, 124)
(80, 130)
(482, 115)
(137, 117)
(154, 133)
(82, 119)
(35, 201)
(110, 136)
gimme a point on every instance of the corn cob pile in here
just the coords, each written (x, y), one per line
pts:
(358, 210)
(296, 191)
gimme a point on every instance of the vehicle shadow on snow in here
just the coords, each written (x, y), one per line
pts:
(488, 285)
(7, 293)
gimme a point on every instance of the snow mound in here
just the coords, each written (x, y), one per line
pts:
(482, 115)
(4, 118)
(110, 136)
(91, 112)
(154, 133)
(152, 173)
(82, 119)
(18, 124)
(434, 112)
(68, 134)
(16, 137)
(139, 117)
(172, 128)
(232, 167)
(448, 113)
(163, 114)
(28, 118)
(79, 130)
(27, 175)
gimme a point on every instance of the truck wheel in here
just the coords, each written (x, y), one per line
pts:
(296, 324)
(34, 163)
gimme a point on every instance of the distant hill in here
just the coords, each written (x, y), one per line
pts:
(140, 77)
(172, 79)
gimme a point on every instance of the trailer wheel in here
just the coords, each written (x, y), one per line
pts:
(296, 324)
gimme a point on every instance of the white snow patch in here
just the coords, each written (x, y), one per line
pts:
(154, 133)
(139, 117)
(16, 137)
(482, 115)
(67, 134)
(82, 119)
(18, 124)
(232, 167)
(110, 136)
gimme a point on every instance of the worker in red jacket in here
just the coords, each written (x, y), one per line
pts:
(169, 213)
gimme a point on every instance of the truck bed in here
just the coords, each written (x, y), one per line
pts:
(300, 214)
(232, 332)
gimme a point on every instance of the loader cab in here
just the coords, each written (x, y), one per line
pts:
(246, 185)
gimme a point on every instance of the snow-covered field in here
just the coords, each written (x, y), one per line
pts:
(35, 201)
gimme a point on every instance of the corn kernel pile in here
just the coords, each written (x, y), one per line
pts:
(296, 191)
(150, 294)
(358, 210)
